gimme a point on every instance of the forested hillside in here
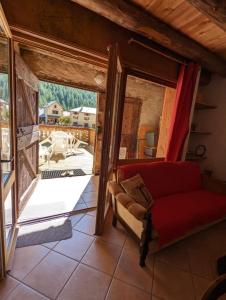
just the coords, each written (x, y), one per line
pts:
(67, 96)
(4, 87)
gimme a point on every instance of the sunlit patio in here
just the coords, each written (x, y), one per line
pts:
(61, 195)
(79, 160)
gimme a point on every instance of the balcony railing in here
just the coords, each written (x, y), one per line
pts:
(84, 134)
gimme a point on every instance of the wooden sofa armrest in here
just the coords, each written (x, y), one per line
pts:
(137, 210)
(115, 188)
(213, 185)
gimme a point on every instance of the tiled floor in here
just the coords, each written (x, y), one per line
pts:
(88, 267)
(57, 196)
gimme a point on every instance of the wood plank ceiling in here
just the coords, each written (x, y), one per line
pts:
(184, 17)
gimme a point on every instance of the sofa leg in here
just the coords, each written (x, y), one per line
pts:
(143, 251)
(114, 220)
(145, 239)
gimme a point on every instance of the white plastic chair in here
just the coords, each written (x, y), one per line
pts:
(60, 142)
(45, 151)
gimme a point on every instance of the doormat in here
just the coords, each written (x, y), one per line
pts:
(45, 232)
(62, 173)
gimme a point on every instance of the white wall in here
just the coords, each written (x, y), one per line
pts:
(215, 122)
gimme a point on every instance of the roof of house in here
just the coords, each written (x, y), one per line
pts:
(52, 102)
(84, 109)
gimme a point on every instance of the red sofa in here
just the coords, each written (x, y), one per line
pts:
(184, 202)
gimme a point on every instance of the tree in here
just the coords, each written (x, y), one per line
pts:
(68, 97)
(65, 120)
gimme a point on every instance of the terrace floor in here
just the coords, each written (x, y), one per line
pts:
(81, 160)
(88, 267)
(61, 195)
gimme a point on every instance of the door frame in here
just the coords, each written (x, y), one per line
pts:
(127, 71)
(111, 117)
(8, 247)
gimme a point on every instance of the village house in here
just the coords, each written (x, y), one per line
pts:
(51, 113)
(83, 117)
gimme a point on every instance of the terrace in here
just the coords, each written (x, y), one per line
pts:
(80, 159)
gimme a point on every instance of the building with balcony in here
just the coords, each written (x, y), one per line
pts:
(83, 117)
(51, 113)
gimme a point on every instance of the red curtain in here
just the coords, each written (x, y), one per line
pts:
(181, 112)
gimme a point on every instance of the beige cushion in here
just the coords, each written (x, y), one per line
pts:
(135, 188)
(125, 199)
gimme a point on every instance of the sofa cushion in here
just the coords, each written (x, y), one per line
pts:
(135, 188)
(175, 215)
(165, 178)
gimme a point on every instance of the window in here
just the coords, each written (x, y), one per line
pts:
(86, 125)
(75, 117)
(85, 114)
(93, 126)
(75, 123)
(86, 118)
(76, 113)
(55, 112)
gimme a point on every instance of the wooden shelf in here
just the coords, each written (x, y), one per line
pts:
(200, 132)
(195, 158)
(201, 106)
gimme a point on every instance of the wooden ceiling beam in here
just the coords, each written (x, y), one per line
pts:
(137, 20)
(215, 10)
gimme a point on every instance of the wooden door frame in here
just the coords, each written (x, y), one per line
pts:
(7, 254)
(127, 71)
(108, 118)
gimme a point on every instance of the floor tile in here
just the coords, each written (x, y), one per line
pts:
(86, 224)
(172, 283)
(129, 271)
(26, 259)
(22, 292)
(50, 245)
(91, 204)
(86, 284)
(89, 197)
(51, 274)
(176, 255)
(7, 286)
(131, 244)
(119, 290)
(80, 206)
(113, 235)
(201, 285)
(201, 263)
(76, 246)
(102, 256)
(76, 218)
(92, 213)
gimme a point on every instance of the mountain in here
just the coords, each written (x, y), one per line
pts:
(68, 97)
